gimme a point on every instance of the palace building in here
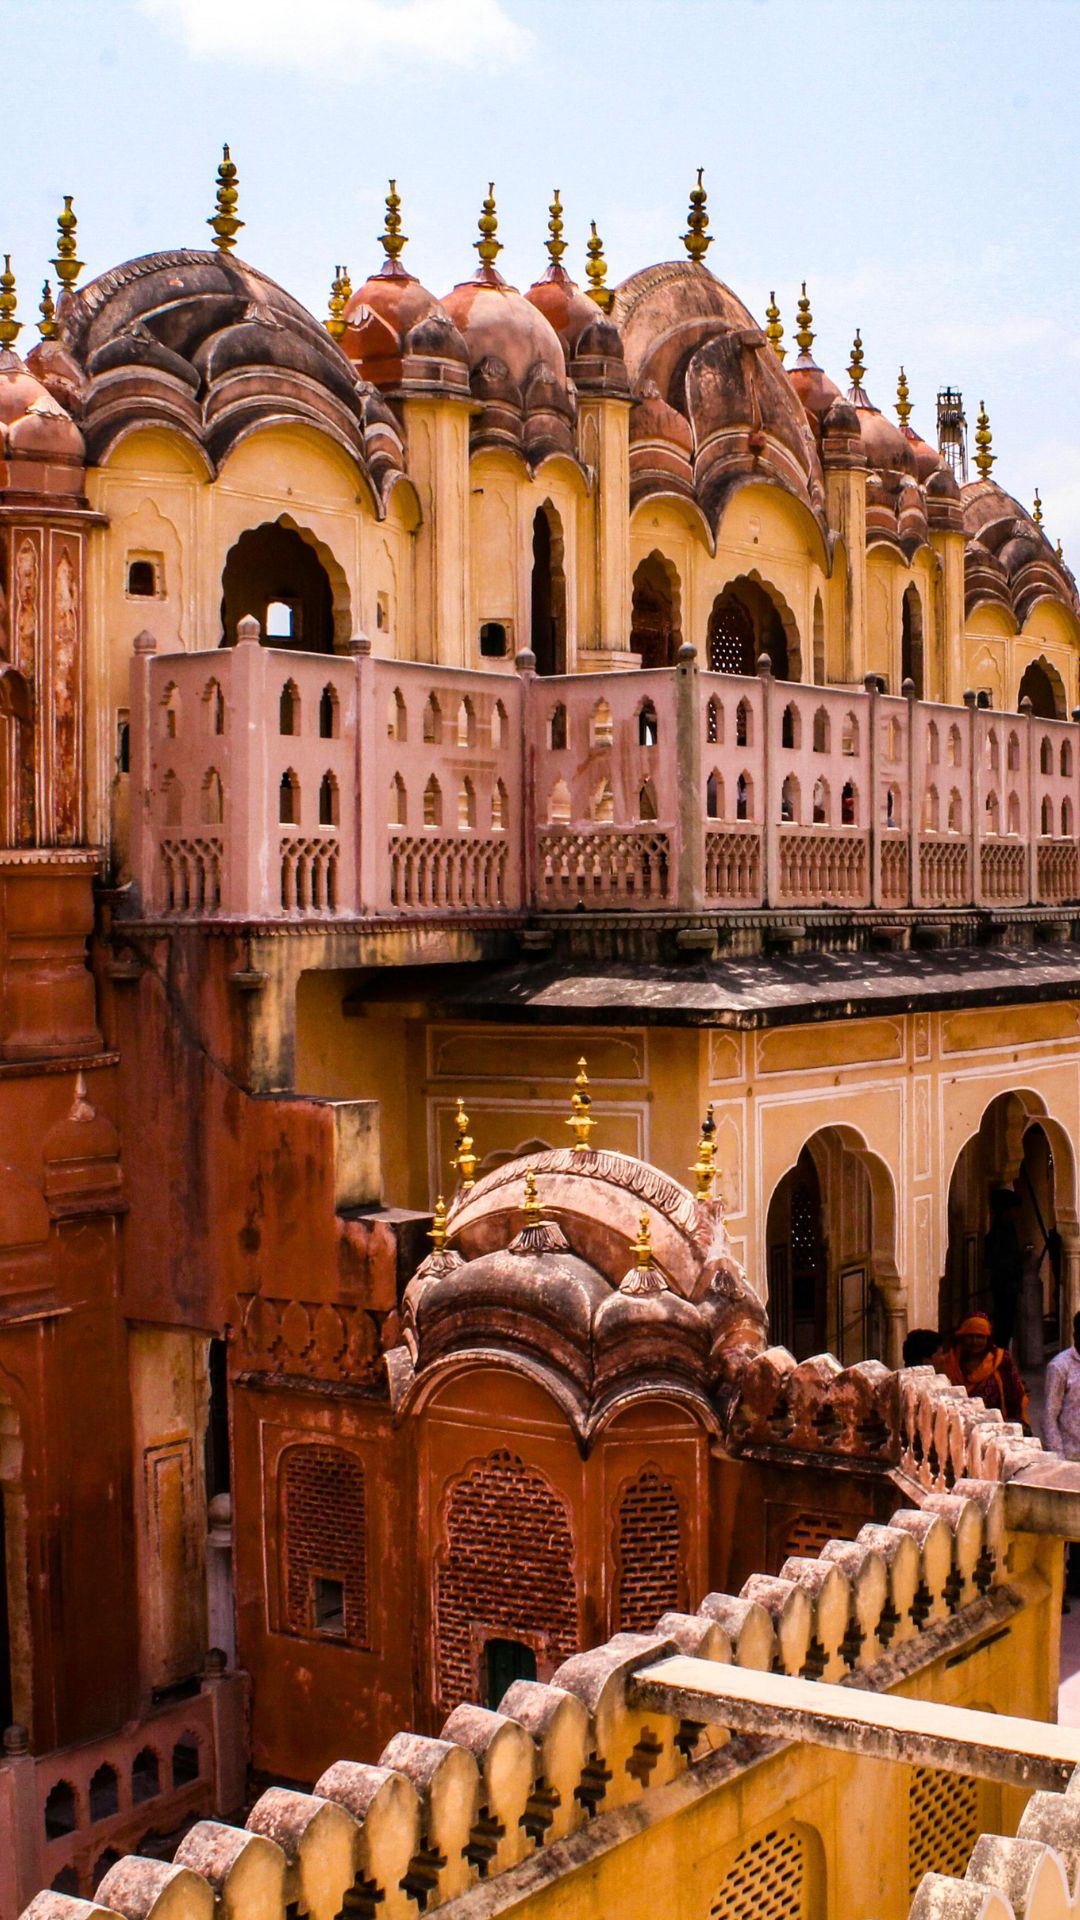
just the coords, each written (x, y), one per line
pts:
(540, 862)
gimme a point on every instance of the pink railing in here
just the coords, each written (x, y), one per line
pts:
(66, 1816)
(280, 785)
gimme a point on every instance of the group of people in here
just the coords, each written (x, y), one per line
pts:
(973, 1359)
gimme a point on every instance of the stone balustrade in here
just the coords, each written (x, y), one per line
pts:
(270, 784)
(914, 1419)
(437, 1815)
(68, 1815)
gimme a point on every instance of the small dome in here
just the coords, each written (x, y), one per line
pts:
(34, 426)
(495, 320)
(814, 387)
(435, 337)
(887, 449)
(840, 418)
(567, 310)
(927, 458)
(379, 318)
(942, 484)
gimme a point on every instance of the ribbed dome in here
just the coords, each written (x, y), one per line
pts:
(39, 440)
(378, 317)
(567, 310)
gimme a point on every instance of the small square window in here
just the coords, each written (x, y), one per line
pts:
(328, 1606)
(145, 576)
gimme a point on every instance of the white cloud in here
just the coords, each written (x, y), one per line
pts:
(346, 39)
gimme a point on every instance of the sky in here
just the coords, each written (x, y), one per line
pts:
(917, 163)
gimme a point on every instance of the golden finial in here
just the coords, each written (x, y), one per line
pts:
(489, 246)
(857, 371)
(65, 264)
(774, 329)
(581, 1121)
(47, 326)
(335, 319)
(697, 239)
(596, 270)
(392, 240)
(10, 328)
(464, 1160)
(703, 1169)
(437, 1232)
(984, 459)
(224, 223)
(556, 245)
(1059, 551)
(1036, 512)
(903, 399)
(531, 1209)
(644, 1276)
(346, 284)
(804, 331)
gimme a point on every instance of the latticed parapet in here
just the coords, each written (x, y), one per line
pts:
(437, 1816)
(287, 785)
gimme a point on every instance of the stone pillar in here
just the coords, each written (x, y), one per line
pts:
(437, 434)
(895, 1298)
(691, 826)
(21, 1867)
(1070, 1279)
(845, 503)
(604, 430)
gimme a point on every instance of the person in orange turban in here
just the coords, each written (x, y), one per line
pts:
(986, 1371)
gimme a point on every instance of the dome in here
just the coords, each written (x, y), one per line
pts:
(567, 310)
(206, 344)
(651, 418)
(690, 340)
(391, 319)
(496, 321)
(927, 458)
(887, 449)
(40, 443)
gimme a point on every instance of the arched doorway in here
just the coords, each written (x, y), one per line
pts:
(548, 628)
(795, 1239)
(830, 1240)
(745, 622)
(655, 612)
(1012, 1225)
(1041, 684)
(273, 573)
(911, 640)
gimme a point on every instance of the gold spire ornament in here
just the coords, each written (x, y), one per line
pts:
(10, 328)
(984, 440)
(437, 1232)
(1036, 512)
(346, 284)
(555, 243)
(903, 400)
(335, 319)
(774, 330)
(66, 267)
(704, 1167)
(804, 329)
(536, 1235)
(489, 246)
(644, 1276)
(225, 224)
(1059, 550)
(581, 1121)
(464, 1160)
(697, 239)
(856, 370)
(47, 326)
(596, 271)
(391, 239)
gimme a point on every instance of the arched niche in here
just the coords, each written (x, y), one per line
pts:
(280, 566)
(1041, 683)
(830, 1247)
(548, 591)
(656, 611)
(749, 618)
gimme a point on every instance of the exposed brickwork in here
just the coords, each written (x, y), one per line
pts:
(325, 1535)
(506, 1571)
(651, 1576)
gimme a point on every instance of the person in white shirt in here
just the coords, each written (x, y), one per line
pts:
(1061, 1428)
(1061, 1418)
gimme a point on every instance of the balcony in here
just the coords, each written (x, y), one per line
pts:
(275, 786)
